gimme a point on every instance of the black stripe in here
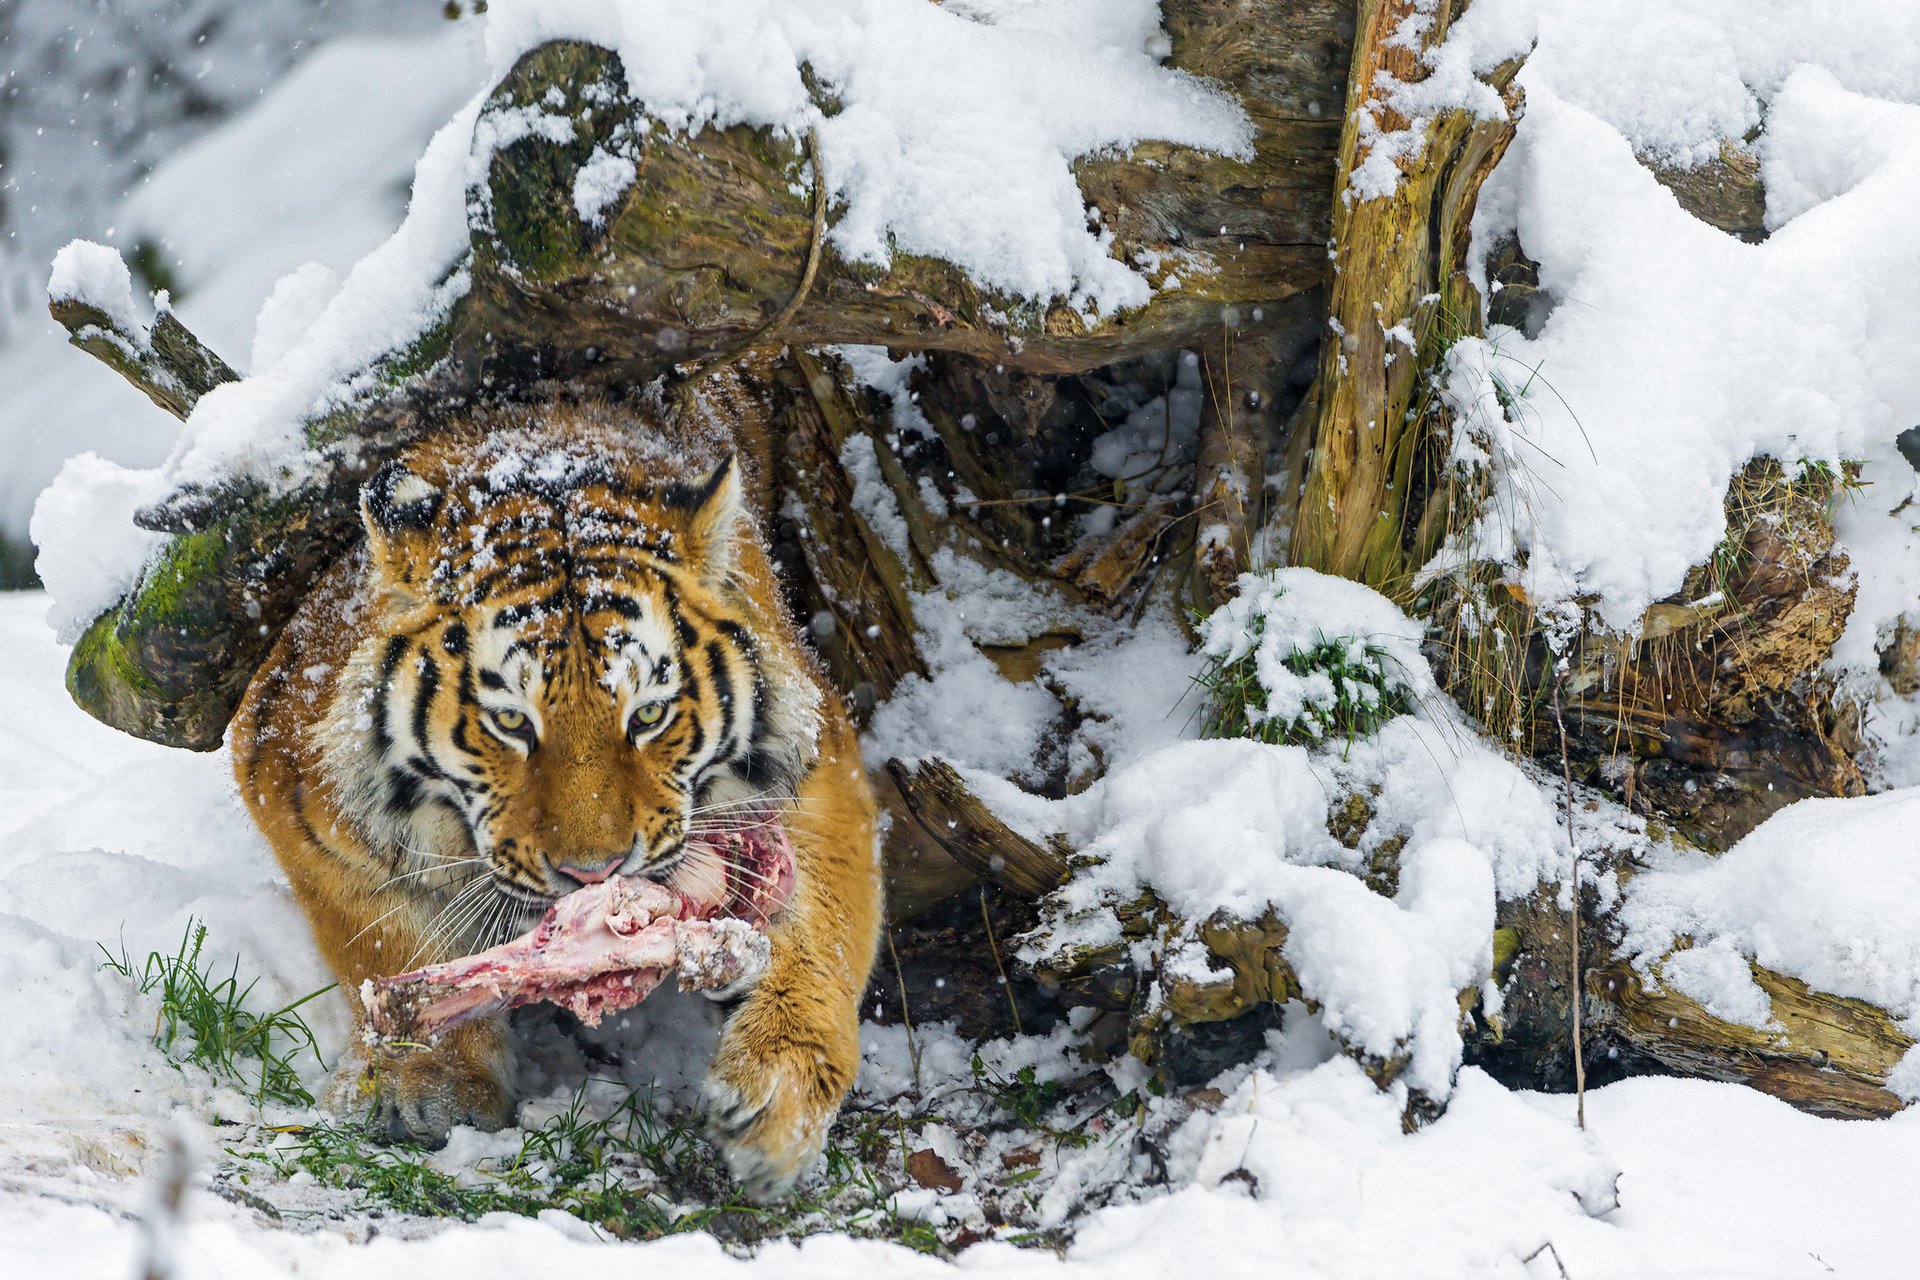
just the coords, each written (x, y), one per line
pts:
(525, 611)
(389, 663)
(690, 692)
(423, 706)
(601, 600)
(723, 694)
(682, 629)
(403, 791)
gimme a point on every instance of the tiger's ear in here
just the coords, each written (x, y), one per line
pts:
(715, 506)
(398, 507)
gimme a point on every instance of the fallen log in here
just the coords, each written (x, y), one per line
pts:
(641, 293)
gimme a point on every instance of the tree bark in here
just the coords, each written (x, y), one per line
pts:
(1399, 290)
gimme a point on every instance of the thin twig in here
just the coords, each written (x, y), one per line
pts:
(906, 1018)
(995, 948)
(1552, 1252)
(1579, 1054)
(816, 242)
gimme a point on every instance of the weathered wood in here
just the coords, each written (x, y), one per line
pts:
(1239, 400)
(1399, 282)
(1829, 1054)
(169, 365)
(1725, 192)
(852, 576)
(968, 830)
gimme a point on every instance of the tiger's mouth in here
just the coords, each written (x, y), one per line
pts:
(745, 873)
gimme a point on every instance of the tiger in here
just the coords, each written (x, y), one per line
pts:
(558, 654)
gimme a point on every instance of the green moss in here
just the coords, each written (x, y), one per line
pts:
(105, 674)
(185, 563)
(99, 664)
(1506, 945)
(535, 230)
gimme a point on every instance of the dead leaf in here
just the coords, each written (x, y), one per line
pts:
(929, 1170)
(1020, 1157)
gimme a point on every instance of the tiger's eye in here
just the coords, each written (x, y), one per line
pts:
(511, 721)
(647, 715)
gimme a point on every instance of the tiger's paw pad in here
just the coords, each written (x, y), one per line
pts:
(427, 1118)
(769, 1124)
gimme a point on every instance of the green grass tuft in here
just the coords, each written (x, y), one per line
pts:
(633, 1173)
(203, 1022)
(1365, 695)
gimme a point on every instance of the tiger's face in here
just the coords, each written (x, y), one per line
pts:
(569, 685)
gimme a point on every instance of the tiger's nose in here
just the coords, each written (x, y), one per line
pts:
(587, 872)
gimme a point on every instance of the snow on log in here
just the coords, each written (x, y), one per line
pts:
(693, 261)
(91, 294)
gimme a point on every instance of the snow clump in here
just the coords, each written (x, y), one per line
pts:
(1301, 656)
(94, 276)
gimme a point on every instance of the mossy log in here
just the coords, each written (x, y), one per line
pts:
(706, 250)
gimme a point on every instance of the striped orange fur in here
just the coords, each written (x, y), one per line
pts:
(560, 652)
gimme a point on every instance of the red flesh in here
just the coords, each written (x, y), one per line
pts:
(607, 946)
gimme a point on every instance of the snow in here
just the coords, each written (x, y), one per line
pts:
(91, 550)
(956, 127)
(96, 276)
(230, 215)
(1242, 827)
(600, 183)
(288, 314)
(1673, 340)
(1822, 891)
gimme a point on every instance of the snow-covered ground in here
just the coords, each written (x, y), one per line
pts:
(1670, 342)
(1301, 1170)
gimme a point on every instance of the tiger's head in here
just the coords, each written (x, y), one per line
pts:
(567, 676)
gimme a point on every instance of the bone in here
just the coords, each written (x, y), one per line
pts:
(603, 947)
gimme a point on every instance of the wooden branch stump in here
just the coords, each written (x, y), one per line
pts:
(169, 365)
(968, 830)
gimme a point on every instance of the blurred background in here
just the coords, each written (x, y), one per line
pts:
(220, 145)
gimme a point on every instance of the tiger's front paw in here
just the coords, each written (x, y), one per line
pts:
(418, 1096)
(772, 1093)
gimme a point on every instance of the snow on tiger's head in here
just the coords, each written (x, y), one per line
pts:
(569, 657)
